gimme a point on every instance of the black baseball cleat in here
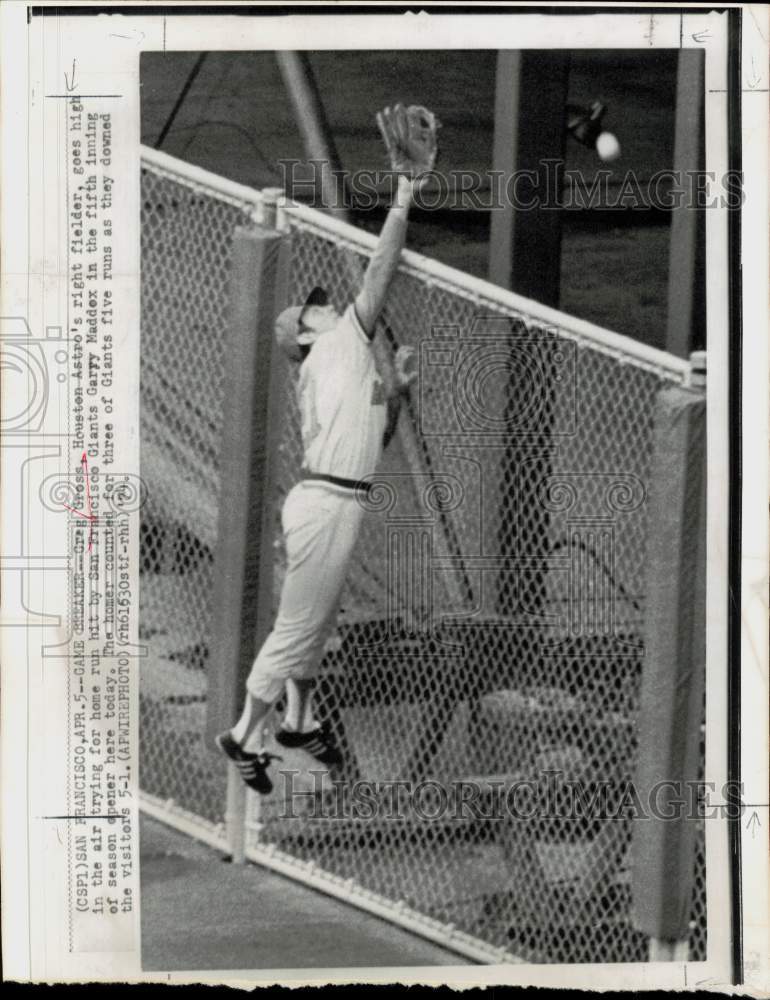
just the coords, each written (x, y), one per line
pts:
(252, 767)
(319, 743)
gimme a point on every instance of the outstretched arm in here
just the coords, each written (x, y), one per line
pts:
(384, 261)
(409, 135)
(377, 279)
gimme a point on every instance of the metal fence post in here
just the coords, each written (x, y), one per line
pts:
(243, 570)
(673, 676)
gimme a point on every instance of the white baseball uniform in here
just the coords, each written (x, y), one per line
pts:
(343, 412)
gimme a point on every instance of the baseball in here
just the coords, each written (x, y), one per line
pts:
(607, 146)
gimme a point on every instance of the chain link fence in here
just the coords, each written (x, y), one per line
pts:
(491, 628)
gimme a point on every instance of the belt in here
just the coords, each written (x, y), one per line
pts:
(348, 484)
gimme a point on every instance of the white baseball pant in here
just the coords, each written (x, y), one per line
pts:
(320, 527)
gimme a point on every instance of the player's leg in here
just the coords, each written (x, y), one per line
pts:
(244, 743)
(291, 640)
(299, 705)
(238, 744)
(300, 691)
(321, 532)
(247, 731)
(298, 635)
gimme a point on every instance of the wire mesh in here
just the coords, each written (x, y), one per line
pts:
(186, 242)
(490, 632)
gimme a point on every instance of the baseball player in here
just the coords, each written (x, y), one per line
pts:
(350, 387)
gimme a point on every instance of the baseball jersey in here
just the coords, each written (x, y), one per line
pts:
(342, 403)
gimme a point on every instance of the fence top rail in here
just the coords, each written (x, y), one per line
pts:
(199, 179)
(617, 345)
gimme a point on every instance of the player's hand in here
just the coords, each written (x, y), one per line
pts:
(409, 134)
(405, 364)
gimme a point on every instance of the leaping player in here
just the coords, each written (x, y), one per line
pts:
(350, 389)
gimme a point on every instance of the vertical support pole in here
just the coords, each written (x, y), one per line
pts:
(686, 318)
(504, 158)
(673, 677)
(317, 138)
(530, 130)
(243, 570)
(525, 256)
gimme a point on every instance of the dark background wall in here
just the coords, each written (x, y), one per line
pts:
(236, 120)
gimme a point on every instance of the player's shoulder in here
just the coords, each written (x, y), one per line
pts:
(349, 329)
(347, 333)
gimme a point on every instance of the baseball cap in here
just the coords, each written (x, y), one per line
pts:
(288, 323)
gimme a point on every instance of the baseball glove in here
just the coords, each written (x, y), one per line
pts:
(409, 135)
